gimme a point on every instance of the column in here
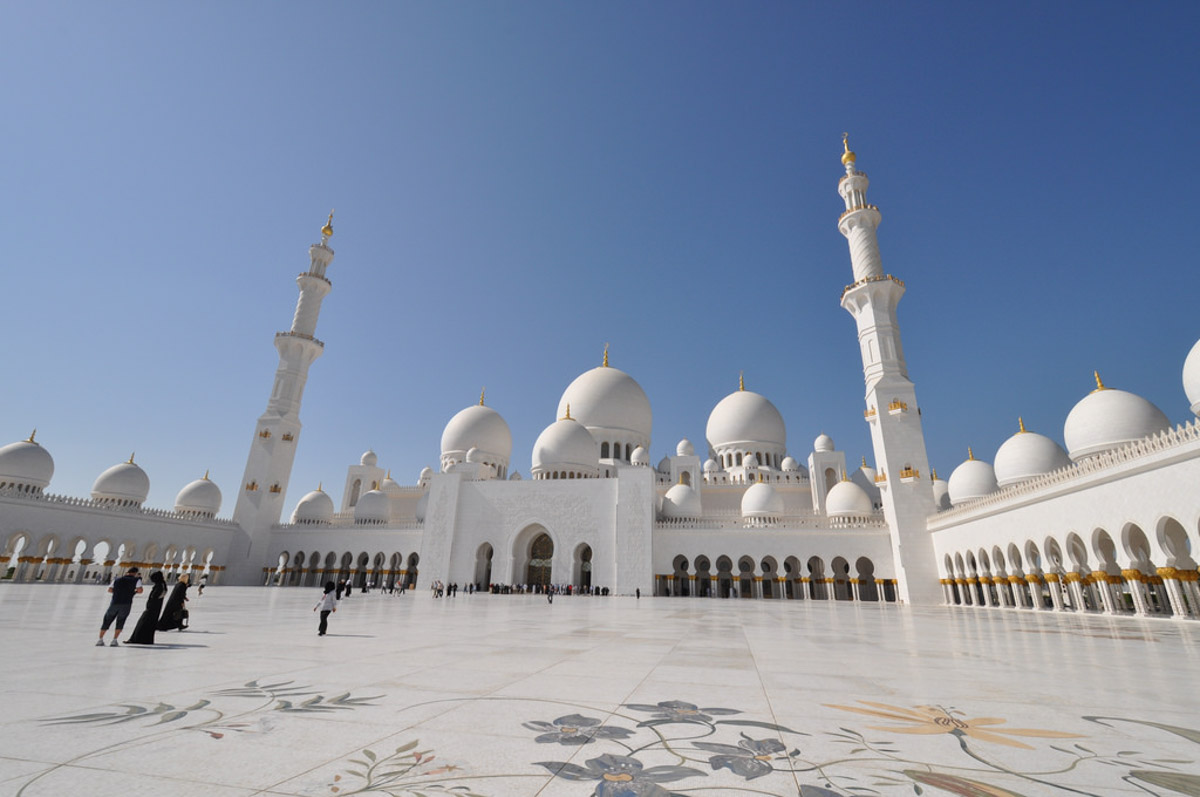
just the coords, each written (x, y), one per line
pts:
(1100, 579)
(830, 590)
(1035, 592)
(1189, 580)
(1054, 584)
(714, 584)
(1074, 584)
(1170, 577)
(983, 588)
(1137, 588)
(692, 585)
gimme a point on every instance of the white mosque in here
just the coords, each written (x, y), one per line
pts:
(1105, 525)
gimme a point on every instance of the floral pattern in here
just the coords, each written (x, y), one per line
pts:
(575, 729)
(933, 719)
(621, 776)
(750, 758)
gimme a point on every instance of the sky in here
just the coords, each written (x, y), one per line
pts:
(518, 184)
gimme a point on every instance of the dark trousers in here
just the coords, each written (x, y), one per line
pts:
(324, 623)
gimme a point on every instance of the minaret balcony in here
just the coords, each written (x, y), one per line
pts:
(880, 478)
(856, 209)
(865, 280)
(300, 335)
(871, 414)
(315, 276)
(897, 407)
(909, 475)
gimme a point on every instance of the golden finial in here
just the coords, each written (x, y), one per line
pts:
(319, 486)
(32, 435)
(389, 475)
(741, 380)
(970, 454)
(131, 462)
(845, 478)
(1021, 424)
(567, 417)
(206, 474)
(605, 363)
(864, 461)
(848, 157)
(933, 474)
(482, 390)
(327, 230)
(1099, 384)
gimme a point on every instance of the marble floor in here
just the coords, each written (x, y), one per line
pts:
(509, 695)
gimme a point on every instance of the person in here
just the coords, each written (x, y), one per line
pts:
(638, 591)
(203, 584)
(143, 632)
(123, 589)
(326, 605)
(175, 613)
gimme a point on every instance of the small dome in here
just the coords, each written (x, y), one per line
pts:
(681, 502)
(474, 455)
(1027, 454)
(1191, 377)
(847, 498)
(26, 464)
(565, 445)
(316, 507)
(373, 507)
(761, 501)
(789, 465)
(515, 476)
(369, 458)
(201, 497)
(390, 486)
(745, 418)
(711, 466)
(422, 503)
(125, 484)
(608, 398)
(1106, 419)
(640, 456)
(823, 444)
(750, 461)
(426, 476)
(941, 493)
(685, 448)
(972, 479)
(664, 465)
(478, 427)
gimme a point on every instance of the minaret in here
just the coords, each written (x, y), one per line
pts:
(892, 410)
(273, 448)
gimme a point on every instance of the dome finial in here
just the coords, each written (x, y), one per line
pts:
(567, 417)
(327, 230)
(1099, 383)
(131, 462)
(845, 478)
(32, 435)
(848, 157)
(970, 454)
(206, 474)
(319, 486)
(389, 474)
(605, 364)
(741, 380)
(933, 474)
(1021, 424)
(864, 461)
(482, 390)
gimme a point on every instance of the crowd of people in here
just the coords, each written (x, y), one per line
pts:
(155, 616)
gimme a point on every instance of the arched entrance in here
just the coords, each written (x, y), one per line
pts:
(583, 566)
(541, 559)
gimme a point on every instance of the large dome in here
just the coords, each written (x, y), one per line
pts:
(1027, 454)
(1106, 419)
(1191, 377)
(565, 445)
(681, 502)
(972, 479)
(373, 508)
(745, 419)
(609, 399)
(847, 498)
(125, 484)
(316, 507)
(761, 501)
(201, 497)
(477, 427)
(26, 465)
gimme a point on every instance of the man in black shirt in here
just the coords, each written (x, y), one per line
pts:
(123, 590)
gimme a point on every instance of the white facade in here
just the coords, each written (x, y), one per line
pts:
(1106, 524)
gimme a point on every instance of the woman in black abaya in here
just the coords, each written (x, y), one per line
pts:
(144, 633)
(175, 612)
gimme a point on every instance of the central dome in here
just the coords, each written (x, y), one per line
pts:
(607, 399)
(745, 419)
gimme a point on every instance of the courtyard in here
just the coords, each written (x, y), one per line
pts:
(510, 695)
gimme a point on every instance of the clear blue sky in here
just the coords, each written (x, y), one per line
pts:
(518, 183)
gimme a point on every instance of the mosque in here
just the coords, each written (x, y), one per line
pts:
(1105, 525)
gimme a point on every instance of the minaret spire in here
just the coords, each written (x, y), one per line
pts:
(891, 400)
(273, 446)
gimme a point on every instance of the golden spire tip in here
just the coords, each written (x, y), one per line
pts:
(567, 417)
(1099, 384)
(605, 364)
(131, 462)
(864, 461)
(970, 454)
(741, 380)
(482, 390)
(327, 230)
(206, 474)
(848, 157)
(319, 486)
(32, 435)
(1021, 424)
